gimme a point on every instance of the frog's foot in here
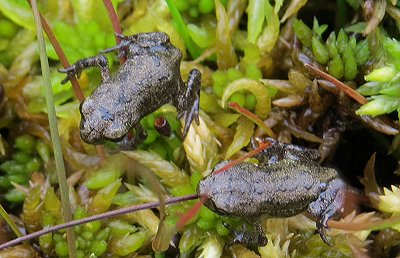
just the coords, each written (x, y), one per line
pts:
(121, 47)
(328, 203)
(77, 68)
(142, 40)
(130, 142)
(188, 101)
(256, 238)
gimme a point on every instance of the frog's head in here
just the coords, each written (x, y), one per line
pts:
(210, 195)
(101, 122)
(207, 197)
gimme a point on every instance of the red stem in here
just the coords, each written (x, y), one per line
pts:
(64, 61)
(263, 146)
(115, 23)
(340, 85)
(190, 214)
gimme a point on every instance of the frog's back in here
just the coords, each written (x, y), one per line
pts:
(281, 190)
(141, 72)
(149, 80)
(290, 186)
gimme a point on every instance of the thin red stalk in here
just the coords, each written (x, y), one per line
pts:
(263, 146)
(115, 23)
(65, 63)
(61, 55)
(190, 214)
(340, 85)
(105, 215)
(252, 117)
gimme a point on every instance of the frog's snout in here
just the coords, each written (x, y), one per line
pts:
(204, 192)
(89, 133)
(90, 128)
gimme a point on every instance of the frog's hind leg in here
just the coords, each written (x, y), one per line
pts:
(137, 43)
(256, 238)
(279, 151)
(77, 68)
(328, 203)
(187, 102)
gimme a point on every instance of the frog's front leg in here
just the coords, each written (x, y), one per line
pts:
(328, 203)
(80, 65)
(187, 102)
(256, 238)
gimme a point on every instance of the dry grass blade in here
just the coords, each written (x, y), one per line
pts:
(201, 147)
(169, 173)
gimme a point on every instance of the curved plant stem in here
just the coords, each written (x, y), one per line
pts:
(105, 215)
(62, 180)
(190, 214)
(114, 18)
(61, 55)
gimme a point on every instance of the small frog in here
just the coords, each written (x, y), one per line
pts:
(148, 79)
(287, 181)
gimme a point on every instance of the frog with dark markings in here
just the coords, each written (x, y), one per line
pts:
(287, 182)
(148, 79)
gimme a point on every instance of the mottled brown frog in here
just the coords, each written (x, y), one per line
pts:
(287, 181)
(148, 79)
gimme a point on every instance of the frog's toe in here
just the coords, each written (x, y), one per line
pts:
(322, 225)
(66, 79)
(189, 116)
(71, 72)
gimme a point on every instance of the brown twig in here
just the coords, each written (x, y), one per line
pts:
(105, 215)
(340, 85)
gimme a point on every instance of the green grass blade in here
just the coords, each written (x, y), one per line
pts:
(10, 222)
(54, 130)
(194, 50)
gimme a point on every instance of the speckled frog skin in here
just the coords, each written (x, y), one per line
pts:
(148, 79)
(287, 181)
